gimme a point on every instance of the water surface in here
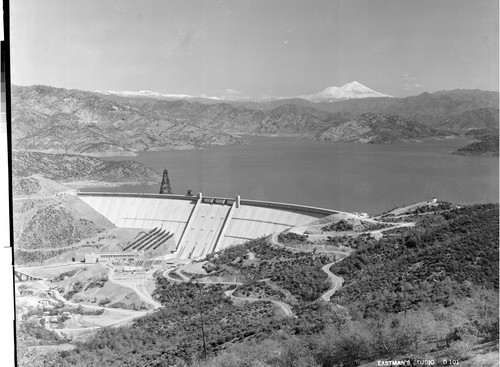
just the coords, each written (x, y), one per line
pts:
(352, 177)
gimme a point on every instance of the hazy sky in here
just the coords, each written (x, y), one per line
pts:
(255, 47)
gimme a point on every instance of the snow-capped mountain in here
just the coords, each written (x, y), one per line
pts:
(353, 90)
(174, 96)
(144, 93)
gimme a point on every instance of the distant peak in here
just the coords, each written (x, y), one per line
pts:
(352, 90)
(354, 84)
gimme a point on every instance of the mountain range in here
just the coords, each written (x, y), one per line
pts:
(63, 121)
(74, 121)
(352, 90)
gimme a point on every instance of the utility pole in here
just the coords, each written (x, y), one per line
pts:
(203, 329)
(203, 334)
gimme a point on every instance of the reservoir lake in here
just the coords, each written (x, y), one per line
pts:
(368, 178)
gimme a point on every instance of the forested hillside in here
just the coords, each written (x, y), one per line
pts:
(430, 291)
(297, 273)
(446, 256)
(487, 145)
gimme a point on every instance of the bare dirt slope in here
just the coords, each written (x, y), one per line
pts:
(49, 219)
(55, 221)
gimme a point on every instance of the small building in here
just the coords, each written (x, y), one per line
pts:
(249, 255)
(46, 303)
(434, 200)
(209, 267)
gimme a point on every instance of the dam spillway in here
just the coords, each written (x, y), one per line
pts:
(201, 225)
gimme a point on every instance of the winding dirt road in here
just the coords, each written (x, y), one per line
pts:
(113, 316)
(287, 309)
(177, 271)
(337, 282)
(139, 289)
(377, 234)
(128, 315)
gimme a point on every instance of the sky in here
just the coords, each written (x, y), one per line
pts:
(255, 48)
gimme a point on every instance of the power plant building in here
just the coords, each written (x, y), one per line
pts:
(95, 257)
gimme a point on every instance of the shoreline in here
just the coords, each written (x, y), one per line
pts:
(434, 152)
(92, 183)
(246, 140)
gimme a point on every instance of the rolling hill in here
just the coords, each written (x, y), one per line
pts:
(72, 167)
(378, 128)
(487, 145)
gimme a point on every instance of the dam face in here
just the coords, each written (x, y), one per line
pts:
(201, 225)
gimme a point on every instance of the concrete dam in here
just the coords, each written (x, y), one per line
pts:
(201, 225)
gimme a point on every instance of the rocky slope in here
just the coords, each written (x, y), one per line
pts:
(287, 119)
(480, 118)
(72, 167)
(54, 221)
(36, 186)
(60, 120)
(49, 220)
(458, 109)
(53, 225)
(487, 145)
(377, 128)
